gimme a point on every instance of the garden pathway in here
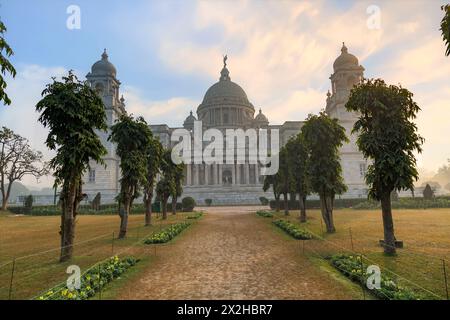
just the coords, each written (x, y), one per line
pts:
(233, 254)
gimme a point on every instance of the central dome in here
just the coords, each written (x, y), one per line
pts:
(225, 103)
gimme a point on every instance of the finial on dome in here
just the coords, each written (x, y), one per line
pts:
(260, 110)
(344, 48)
(225, 74)
(225, 58)
(191, 113)
(104, 55)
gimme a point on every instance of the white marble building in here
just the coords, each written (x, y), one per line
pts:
(226, 106)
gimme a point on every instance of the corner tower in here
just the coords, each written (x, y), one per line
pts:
(347, 73)
(103, 179)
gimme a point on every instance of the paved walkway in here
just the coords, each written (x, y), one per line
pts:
(233, 254)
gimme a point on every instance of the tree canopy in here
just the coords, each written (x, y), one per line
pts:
(386, 134)
(72, 111)
(445, 28)
(5, 65)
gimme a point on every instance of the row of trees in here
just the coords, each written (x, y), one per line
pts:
(73, 112)
(310, 162)
(386, 135)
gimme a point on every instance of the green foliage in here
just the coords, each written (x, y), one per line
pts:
(293, 230)
(188, 204)
(167, 234)
(5, 65)
(428, 193)
(165, 188)
(264, 201)
(386, 135)
(323, 136)
(28, 203)
(355, 269)
(208, 202)
(264, 213)
(297, 153)
(408, 203)
(195, 216)
(92, 281)
(133, 138)
(315, 204)
(445, 27)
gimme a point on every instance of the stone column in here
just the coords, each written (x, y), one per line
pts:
(220, 174)
(196, 174)
(247, 173)
(233, 173)
(188, 175)
(238, 173)
(207, 168)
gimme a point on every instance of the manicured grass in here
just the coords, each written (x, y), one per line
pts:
(34, 242)
(425, 233)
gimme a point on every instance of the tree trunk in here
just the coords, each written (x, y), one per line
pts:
(174, 205)
(67, 224)
(277, 203)
(164, 208)
(326, 206)
(302, 202)
(388, 224)
(124, 218)
(286, 204)
(148, 209)
(4, 203)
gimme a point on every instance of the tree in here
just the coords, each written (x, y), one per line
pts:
(5, 65)
(133, 139)
(165, 188)
(274, 182)
(445, 27)
(17, 160)
(387, 136)
(178, 176)
(428, 193)
(154, 158)
(323, 137)
(72, 111)
(297, 159)
(284, 178)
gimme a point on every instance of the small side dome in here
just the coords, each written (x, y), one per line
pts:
(261, 118)
(345, 60)
(104, 67)
(189, 122)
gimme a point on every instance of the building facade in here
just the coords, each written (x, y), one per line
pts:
(226, 106)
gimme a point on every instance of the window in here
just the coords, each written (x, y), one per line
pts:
(91, 175)
(362, 170)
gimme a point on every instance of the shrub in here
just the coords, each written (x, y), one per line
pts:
(428, 193)
(408, 203)
(355, 269)
(28, 204)
(315, 204)
(208, 202)
(188, 204)
(196, 215)
(292, 230)
(264, 213)
(92, 280)
(167, 234)
(264, 201)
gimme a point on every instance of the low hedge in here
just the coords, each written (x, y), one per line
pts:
(111, 209)
(408, 203)
(352, 267)
(292, 230)
(264, 213)
(167, 234)
(315, 204)
(92, 281)
(196, 215)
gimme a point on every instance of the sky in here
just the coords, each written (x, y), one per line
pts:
(168, 53)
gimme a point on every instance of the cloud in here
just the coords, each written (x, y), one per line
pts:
(171, 111)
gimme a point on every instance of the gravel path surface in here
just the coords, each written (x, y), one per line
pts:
(233, 254)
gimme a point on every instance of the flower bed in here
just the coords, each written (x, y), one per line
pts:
(352, 267)
(92, 280)
(264, 213)
(167, 234)
(196, 215)
(292, 230)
